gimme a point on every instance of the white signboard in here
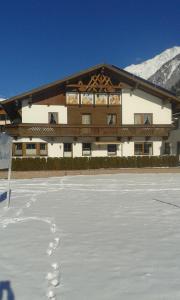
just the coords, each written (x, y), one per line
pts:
(5, 151)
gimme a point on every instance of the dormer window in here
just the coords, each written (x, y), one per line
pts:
(53, 118)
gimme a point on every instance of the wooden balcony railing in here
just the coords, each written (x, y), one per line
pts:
(48, 130)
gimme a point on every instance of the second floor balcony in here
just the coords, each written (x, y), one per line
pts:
(57, 130)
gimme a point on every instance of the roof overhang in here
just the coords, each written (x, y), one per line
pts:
(136, 82)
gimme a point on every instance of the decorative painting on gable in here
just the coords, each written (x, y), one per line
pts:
(87, 98)
(72, 98)
(114, 99)
(101, 99)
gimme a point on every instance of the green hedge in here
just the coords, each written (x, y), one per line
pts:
(84, 163)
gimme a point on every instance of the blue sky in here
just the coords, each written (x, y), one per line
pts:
(42, 41)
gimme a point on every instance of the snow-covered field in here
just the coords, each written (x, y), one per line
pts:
(105, 237)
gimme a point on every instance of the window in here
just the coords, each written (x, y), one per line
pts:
(138, 149)
(86, 119)
(167, 148)
(53, 118)
(18, 149)
(67, 149)
(111, 149)
(143, 149)
(43, 149)
(143, 119)
(111, 119)
(30, 149)
(4, 117)
(86, 149)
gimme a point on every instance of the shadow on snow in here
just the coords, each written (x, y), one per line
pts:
(6, 291)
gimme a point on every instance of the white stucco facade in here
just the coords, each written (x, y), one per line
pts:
(55, 146)
(34, 113)
(133, 102)
(137, 101)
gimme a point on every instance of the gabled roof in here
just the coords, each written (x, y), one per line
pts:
(136, 82)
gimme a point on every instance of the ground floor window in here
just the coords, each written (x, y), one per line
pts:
(167, 148)
(86, 149)
(17, 149)
(43, 149)
(30, 149)
(111, 149)
(67, 149)
(143, 148)
(178, 149)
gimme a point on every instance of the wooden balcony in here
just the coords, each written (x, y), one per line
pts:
(57, 130)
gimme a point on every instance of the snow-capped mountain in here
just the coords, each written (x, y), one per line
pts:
(163, 69)
(168, 75)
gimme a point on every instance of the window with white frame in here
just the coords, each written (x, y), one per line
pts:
(111, 149)
(86, 149)
(144, 148)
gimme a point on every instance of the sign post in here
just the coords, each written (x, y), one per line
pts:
(6, 162)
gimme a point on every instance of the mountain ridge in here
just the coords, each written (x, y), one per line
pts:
(162, 70)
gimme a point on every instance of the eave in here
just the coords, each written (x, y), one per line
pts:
(136, 82)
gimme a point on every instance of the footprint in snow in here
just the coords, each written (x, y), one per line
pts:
(49, 252)
(55, 266)
(51, 295)
(19, 212)
(53, 228)
(52, 246)
(54, 276)
(53, 282)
